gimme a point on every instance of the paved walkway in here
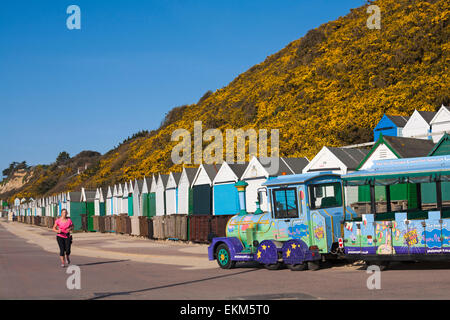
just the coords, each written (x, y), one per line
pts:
(121, 267)
(120, 247)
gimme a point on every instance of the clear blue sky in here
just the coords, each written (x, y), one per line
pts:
(130, 63)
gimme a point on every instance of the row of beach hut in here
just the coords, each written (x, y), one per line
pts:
(209, 189)
(206, 190)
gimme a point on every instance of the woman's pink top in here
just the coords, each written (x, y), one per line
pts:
(63, 226)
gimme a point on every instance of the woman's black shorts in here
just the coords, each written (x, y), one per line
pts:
(64, 245)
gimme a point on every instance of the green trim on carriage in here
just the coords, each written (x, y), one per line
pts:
(445, 213)
(365, 177)
(422, 214)
(385, 216)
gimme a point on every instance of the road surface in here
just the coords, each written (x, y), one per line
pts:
(123, 267)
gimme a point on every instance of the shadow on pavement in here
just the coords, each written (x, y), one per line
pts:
(101, 262)
(111, 294)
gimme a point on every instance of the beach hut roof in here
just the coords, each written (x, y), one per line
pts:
(266, 163)
(440, 113)
(296, 164)
(74, 196)
(139, 184)
(399, 121)
(211, 170)
(427, 115)
(350, 157)
(163, 178)
(176, 176)
(238, 168)
(409, 147)
(402, 147)
(190, 173)
(90, 195)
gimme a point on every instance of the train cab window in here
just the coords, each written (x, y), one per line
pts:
(325, 195)
(285, 203)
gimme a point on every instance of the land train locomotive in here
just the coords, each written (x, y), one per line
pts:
(303, 224)
(396, 210)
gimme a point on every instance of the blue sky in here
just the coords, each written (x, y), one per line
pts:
(131, 62)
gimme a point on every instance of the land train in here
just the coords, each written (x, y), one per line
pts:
(396, 210)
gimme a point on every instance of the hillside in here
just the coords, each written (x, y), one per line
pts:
(330, 87)
(48, 179)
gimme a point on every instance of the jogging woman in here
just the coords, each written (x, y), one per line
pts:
(63, 225)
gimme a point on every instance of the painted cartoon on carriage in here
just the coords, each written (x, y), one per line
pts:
(418, 229)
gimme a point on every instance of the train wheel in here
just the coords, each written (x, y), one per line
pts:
(313, 265)
(224, 258)
(275, 266)
(297, 267)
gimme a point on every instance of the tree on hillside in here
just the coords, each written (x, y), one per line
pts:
(14, 167)
(62, 158)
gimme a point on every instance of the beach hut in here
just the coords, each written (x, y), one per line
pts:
(440, 123)
(119, 198)
(124, 201)
(137, 198)
(88, 198)
(23, 207)
(130, 201)
(60, 202)
(75, 208)
(337, 160)
(428, 190)
(172, 192)
(202, 191)
(226, 199)
(395, 148)
(148, 199)
(54, 206)
(419, 125)
(185, 195)
(257, 172)
(109, 202)
(442, 147)
(100, 202)
(115, 207)
(160, 194)
(296, 165)
(48, 211)
(39, 207)
(340, 161)
(390, 126)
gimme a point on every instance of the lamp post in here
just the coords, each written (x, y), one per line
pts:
(241, 186)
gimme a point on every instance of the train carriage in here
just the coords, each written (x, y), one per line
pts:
(380, 230)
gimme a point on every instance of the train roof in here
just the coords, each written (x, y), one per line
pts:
(406, 170)
(299, 178)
